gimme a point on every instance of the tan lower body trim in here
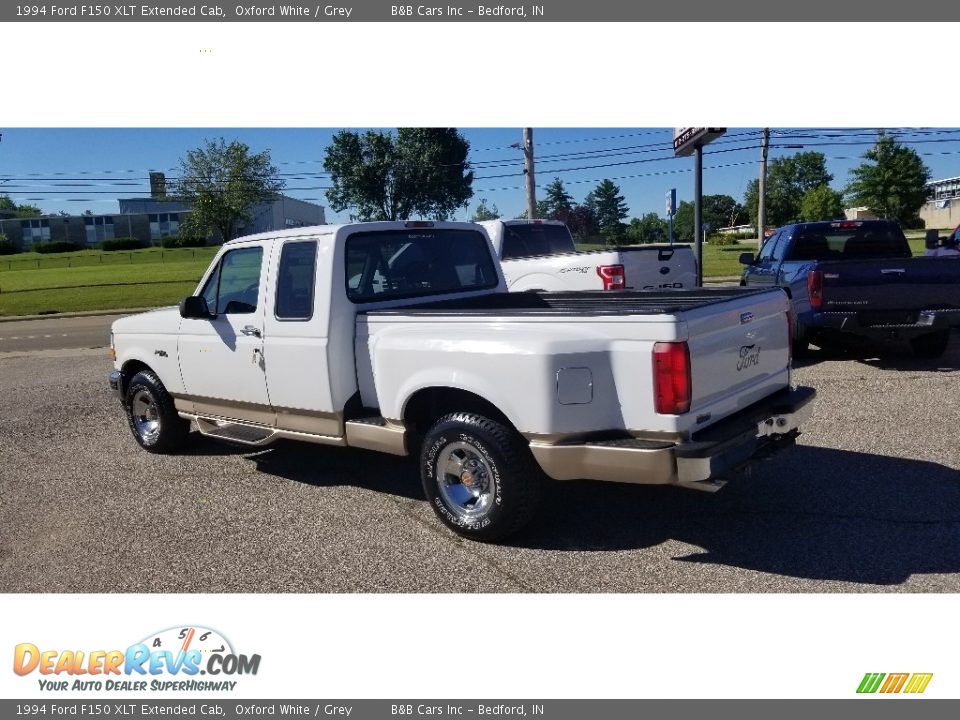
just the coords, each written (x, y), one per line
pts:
(387, 438)
(311, 422)
(602, 462)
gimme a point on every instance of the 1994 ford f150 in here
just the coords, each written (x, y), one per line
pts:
(402, 338)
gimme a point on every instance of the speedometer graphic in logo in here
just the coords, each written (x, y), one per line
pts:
(185, 638)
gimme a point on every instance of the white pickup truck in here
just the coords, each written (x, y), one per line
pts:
(541, 255)
(402, 338)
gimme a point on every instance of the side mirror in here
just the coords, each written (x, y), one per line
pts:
(194, 307)
(747, 259)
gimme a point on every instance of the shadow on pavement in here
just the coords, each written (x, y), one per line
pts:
(812, 512)
(334, 466)
(809, 513)
(892, 355)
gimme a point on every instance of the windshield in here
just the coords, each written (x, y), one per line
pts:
(843, 241)
(415, 263)
(530, 240)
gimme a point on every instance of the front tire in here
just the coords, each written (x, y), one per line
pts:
(479, 477)
(152, 417)
(932, 345)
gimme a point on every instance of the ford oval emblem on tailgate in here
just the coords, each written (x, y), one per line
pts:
(746, 317)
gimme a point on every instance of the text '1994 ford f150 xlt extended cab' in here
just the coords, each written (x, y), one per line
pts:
(402, 338)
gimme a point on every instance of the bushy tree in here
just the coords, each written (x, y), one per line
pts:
(683, 222)
(19, 211)
(723, 211)
(221, 182)
(581, 222)
(485, 213)
(788, 180)
(542, 211)
(892, 181)
(648, 229)
(821, 203)
(420, 172)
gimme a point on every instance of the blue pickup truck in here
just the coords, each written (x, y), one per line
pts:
(859, 279)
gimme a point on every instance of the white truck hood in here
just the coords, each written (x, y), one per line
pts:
(162, 321)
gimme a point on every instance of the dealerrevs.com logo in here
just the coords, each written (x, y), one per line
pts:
(892, 683)
(171, 659)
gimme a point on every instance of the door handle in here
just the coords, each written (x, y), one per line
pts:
(251, 330)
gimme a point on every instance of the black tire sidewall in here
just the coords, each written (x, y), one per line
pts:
(442, 435)
(170, 423)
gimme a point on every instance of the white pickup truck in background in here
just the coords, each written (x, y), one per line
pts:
(402, 338)
(541, 255)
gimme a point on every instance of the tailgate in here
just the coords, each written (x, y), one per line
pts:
(889, 289)
(739, 354)
(658, 267)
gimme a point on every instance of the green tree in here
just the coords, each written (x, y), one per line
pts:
(609, 208)
(683, 222)
(788, 180)
(542, 212)
(221, 182)
(20, 211)
(581, 222)
(650, 228)
(420, 172)
(821, 203)
(723, 211)
(892, 181)
(485, 213)
(557, 199)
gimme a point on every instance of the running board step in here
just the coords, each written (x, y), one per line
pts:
(236, 432)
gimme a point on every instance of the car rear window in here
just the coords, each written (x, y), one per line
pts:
(416, 263)
(847, 242)
(533, 240)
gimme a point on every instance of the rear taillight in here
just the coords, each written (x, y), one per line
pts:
(613, 276)
(671, 378)
(815, 288)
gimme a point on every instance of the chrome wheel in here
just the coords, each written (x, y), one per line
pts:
(146, 416)
(465, 481)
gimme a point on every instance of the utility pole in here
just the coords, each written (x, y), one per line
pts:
(762, 204)
(698, 211)
(528, 172)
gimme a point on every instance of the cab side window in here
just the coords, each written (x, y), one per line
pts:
(766, 252)
(298, 269)
(234, 286)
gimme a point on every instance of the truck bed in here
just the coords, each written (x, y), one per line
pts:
(594, 303)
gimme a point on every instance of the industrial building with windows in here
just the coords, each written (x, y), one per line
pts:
(149, 220)
(941, 211)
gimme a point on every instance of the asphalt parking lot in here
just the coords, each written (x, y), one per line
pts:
(869, 501)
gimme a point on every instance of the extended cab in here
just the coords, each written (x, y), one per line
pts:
(402, 338)
(541, 255)
(858, 278)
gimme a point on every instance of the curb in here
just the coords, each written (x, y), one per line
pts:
(81, 313)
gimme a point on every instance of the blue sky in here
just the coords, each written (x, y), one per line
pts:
(88, 169)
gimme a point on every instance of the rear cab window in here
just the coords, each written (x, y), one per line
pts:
(850, 240)
(535, 239)
(411, 263)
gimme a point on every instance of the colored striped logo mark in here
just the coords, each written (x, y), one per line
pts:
(894, 682)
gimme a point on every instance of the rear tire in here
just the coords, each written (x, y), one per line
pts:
(479, 477)
(152, 417)
(932, 345)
